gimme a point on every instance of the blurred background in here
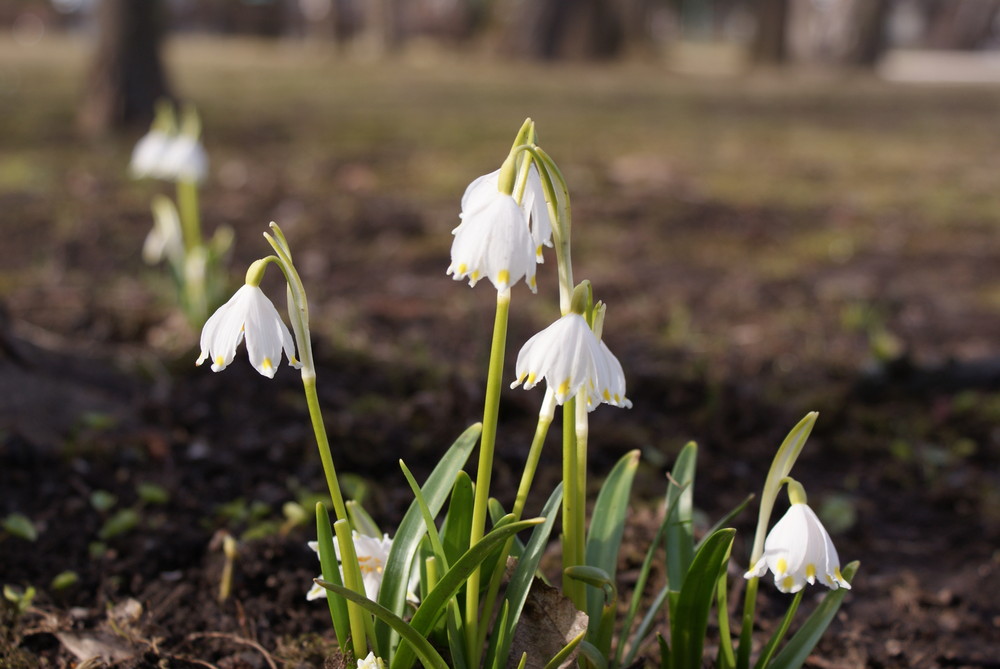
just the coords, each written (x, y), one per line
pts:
(788, 205)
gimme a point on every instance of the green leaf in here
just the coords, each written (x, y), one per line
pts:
(395, 581)
(423, 648)
(331, 573)
(679, 537)
(566, 651)
(20, 526)
(604, 539)
(150, 493)
(120, 523)
(521, 579)
(797, 650)
(452, 581)
(102, 500)
(64, 580)
(457, 525)
(592, 656)
(689, 618)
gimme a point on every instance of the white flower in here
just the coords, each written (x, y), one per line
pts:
(493, 239)
(166, 239)
(184, 159)
(533, 204)
(147, 156)
(570, 357)
(371, 662)
(798, 550)
(247, 314)
(373, 554)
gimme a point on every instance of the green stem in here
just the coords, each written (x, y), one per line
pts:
(572, 500)
(530, 467)
(746, 628)
(726, 659)
(582, 428)
(187, 204)
(325, 455)
(485, 469)
(298, 313)
(772, 645)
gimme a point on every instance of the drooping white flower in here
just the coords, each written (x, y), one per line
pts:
(798, 550)
(166, 240)
(570, 357)
(184, 159)
(493, 239)
(373, 554)
(371, 662)
(533, 204)
(248, 314)
(147, 156)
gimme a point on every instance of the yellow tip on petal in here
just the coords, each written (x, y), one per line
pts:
(781, 566)
(474, 276)
(563, 389)
(532, 282)
(810, 571)
(266, 365)
(220, 361)
(503, 276)
(787, 583)
(531, 378)
(462, 268)
(607, 395)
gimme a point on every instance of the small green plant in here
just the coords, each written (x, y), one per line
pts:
(448, 589)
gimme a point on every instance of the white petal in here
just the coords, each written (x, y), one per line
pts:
(148, 154)
(316, 591)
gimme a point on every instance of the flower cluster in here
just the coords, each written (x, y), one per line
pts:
(373, 554)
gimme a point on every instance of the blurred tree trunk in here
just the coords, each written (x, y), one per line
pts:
(769, 46)
(127, 75)
(556, 29)
(870, 17)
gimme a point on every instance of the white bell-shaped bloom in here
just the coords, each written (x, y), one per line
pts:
(166, 240)
(373, 554)
(184, 159)
(371, 662)
(147, 156)
(249, 314)
(570, 357)
(798, 550)
(536, 211)
(493, 239)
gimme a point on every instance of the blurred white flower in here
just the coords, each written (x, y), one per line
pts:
(373, 553)
(371, 662)
(166, 240)
(570, 357)
(147, 156)
(249, 314)
(184, 160)
(798, 550)
(493, 239)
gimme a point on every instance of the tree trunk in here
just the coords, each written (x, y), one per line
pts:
(566, 29)
(127, 75)
(870, 33)
(769, 41)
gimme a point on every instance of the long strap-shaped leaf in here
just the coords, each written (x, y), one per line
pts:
(395, 580)
(605, 536)
(797, 650)
(449, 585)
(690, 618)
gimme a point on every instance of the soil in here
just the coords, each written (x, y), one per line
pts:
(103, 412)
